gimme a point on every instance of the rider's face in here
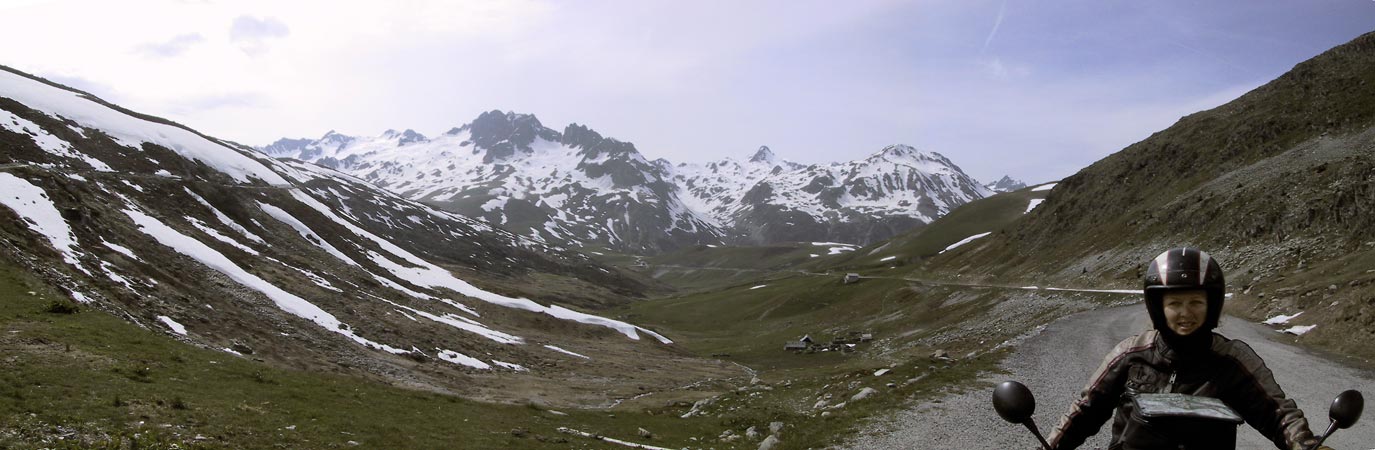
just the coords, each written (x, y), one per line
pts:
(1185, 310)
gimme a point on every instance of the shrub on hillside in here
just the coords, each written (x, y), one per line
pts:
(62, 307)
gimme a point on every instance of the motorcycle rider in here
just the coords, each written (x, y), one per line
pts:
(1184, 295)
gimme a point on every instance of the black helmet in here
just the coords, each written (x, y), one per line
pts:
(1184, 268)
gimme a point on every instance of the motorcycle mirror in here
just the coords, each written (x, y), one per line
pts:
(1346, 409)
(1015, 404)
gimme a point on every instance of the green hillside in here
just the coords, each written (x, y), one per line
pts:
(984, 215)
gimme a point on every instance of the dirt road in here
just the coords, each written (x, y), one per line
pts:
(1056, 364)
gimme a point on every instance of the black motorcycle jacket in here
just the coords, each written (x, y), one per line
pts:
(1228, 370)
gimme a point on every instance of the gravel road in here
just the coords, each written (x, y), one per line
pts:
(1056, 364)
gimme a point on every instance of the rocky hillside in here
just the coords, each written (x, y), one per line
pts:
(299, 265)
(577, 187)
(1279, 184)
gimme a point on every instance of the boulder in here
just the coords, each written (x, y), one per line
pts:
(863, 394)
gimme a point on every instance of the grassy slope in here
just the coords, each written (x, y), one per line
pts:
(988, 214)
(704, 268)
(102, 380)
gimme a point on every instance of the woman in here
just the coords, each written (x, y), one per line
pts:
(1184, 295)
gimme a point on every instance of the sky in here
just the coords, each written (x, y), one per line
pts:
(1035, 89)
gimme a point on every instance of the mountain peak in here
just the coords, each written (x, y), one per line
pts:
(286, 147)
(763, 155)
(900, 151)
(503, 133)
(333, 137)
(410, 136)
(1006, 184)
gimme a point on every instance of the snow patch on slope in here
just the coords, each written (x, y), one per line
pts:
(122, 250)
(131, 131)
(1299, 330)
(46, 141)
(284, 300)
(462, 360)
(1281, 319)
(31, 203)
(225, 219)
(305, 232)
(176, 327)
(423, 273)
(566, 352)
(965, 241)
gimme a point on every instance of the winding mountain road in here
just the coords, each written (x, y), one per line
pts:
(1056, 364)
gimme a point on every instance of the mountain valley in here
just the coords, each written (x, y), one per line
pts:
(509, 285)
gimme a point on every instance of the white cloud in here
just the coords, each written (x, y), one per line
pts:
(171, 47)
(252, 34)
(995, 69)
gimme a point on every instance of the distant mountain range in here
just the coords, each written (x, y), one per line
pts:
(577, 187)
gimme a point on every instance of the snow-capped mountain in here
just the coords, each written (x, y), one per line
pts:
(577, 186)
(862, 201)
(511, 170)
(766, 199)
(715, 189)
(300, 265)
(1006, 184)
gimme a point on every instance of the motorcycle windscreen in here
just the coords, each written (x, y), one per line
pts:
(1185, 407)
